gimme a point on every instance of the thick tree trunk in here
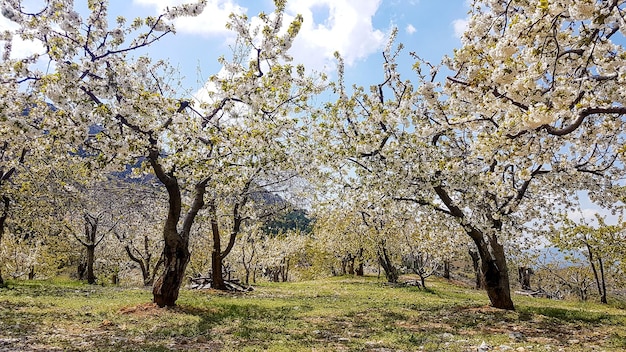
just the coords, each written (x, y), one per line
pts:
(493, 260)
(176, 250)
(495, 273)
(91, 277)
(176, 257)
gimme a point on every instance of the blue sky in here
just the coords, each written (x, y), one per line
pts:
(358, 29)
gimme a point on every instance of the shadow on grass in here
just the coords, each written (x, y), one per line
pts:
(243, 320)
(565, 315)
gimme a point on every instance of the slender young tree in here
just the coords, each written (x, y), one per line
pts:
(600, 245)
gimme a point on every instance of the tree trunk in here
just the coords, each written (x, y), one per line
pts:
(599, 281)
(81, 269)
(446, 269)
(477, 273)
(216, 253)
(344, 266)
(91, 277)
(391, 272)
(284, 272)
(3, 217)
(350, 264)
(493, 260)
(176, 249)
(495, 273)
(176, 257)
(360, 269)
(217, 273)
(603, 295)
(147, 273)
(524, 277)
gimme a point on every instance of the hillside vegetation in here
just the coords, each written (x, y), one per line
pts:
(334, 314)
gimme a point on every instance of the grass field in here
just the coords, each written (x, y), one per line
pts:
(336, 314)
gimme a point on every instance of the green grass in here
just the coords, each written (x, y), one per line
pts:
(349, 314)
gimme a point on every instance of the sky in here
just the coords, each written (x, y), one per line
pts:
(358, 29)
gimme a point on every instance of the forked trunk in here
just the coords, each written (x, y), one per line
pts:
(176, 257)
(391, 272)
(176, 249)
(495, 273)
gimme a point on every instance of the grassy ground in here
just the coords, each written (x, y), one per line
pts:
(337, 314)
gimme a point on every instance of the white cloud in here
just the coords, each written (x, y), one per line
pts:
(460, 26)
(347, 29)
(410, 29)
(588, 216)
(20, 48)
(329, 25)
(211, 21)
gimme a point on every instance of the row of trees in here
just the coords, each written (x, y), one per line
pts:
(530, 113)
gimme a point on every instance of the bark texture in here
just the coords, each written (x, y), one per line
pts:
(176, 253)
(495, 273)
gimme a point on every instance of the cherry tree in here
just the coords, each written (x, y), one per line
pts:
(97, 83)
(600, 243)
(138, 226)
(94, 82)
(22, 141)
(531, 113)
(340, 231)
(541, 85)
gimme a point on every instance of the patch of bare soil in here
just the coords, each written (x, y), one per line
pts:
(143, 309)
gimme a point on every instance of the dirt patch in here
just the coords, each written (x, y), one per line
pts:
(143, 309)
